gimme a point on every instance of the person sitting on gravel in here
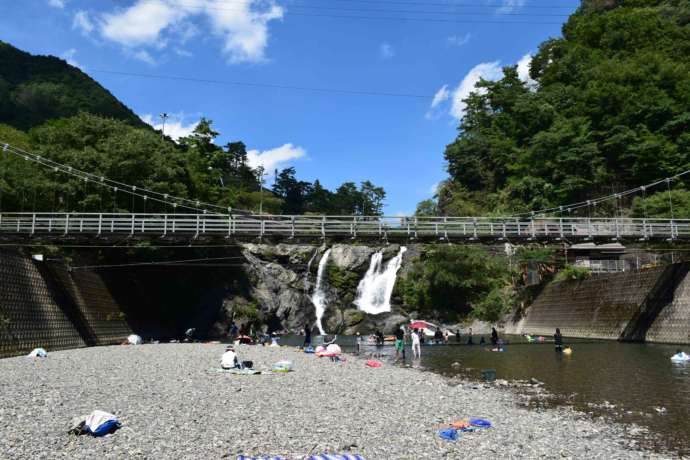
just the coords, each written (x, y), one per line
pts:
(229, 359)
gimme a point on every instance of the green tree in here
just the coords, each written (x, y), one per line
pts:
(608, 112)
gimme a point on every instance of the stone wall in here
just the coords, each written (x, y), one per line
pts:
(650, 305)
(44, 305)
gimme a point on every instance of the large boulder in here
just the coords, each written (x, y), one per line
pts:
(353, 258)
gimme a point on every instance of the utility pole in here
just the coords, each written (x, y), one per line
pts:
(164, 116)
(260, 173)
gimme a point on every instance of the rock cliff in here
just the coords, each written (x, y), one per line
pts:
(281, 280)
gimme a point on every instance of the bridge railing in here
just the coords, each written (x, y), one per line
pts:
(339, 226)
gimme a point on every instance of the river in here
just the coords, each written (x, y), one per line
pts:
(629, 383)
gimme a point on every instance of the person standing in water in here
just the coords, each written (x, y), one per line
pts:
(416, 347)
(469, 338)
(494, 336)
(558, 340)
(307, 336)
(400, 343)
(457, 335)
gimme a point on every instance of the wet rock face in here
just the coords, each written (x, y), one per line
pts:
(355, 258)
(281, 286)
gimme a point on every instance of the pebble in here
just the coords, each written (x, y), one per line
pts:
(173, 404)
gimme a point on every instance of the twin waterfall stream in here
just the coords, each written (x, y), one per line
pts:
(373, 292)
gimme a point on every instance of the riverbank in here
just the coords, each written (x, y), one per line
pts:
(174, 404)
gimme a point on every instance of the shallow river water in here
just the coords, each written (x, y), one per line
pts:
(635, 383)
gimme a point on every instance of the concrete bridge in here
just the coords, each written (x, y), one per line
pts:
(94, 226)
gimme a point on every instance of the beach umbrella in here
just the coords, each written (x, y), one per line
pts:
(420, 325)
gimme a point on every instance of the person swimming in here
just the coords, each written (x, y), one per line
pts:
(558, 340)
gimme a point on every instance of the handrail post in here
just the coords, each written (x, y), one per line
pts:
(131, 230)
(644, 228)
(292, 226)
(618, 232)
(589, 228)
(196, 235)
(323, 227)
(33, 223)
(672, 233)
(560, 224)
(534, 230)
(474, 227)
(165, 224)
(229, 224)
(66, 223)
(100, 223)
(445, 228)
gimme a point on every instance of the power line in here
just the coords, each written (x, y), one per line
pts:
(166, 262)
(369, 10)
(457, 5)
(385, 18)
(265, 85)
(117, 186)
(596, 201)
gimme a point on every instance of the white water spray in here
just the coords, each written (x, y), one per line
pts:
(318, 298)
(375, 289)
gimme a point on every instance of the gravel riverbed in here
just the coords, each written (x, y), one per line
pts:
(174, 404)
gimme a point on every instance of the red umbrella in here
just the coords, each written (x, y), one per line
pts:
(420, 325)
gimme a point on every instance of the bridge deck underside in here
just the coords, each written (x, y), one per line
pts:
(214, 226)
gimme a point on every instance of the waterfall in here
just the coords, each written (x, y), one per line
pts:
(375, 289)
(306, 276)
(318, 298)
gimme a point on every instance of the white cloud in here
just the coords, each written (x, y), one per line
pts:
(140, 24)
(434, 188)
(511, 5)
(82, 22)
(69, 57)
(455, 40)
(441, 95)
(523, 70)
(485, 70)
(271, 159)
(57, 3)
(386, 50)
(142, 55)
(174, 126)
(242, 26)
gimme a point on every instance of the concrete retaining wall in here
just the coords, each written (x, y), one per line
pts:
(44, 305)
(651, 305)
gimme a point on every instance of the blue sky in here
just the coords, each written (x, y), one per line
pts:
(430, 63)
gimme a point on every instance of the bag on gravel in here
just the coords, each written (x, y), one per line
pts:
(38, 353)
(451, 434)
(335, 457)
(244, 457)
(98, 423)
(282, 366)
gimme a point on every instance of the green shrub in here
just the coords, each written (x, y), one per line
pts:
(573, 273)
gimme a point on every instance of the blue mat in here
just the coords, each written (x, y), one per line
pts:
(313, 457)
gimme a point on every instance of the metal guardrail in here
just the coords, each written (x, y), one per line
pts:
(305, 226)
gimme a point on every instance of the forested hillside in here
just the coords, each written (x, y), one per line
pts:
(34, 89)
(609, 109)
(53, 109)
